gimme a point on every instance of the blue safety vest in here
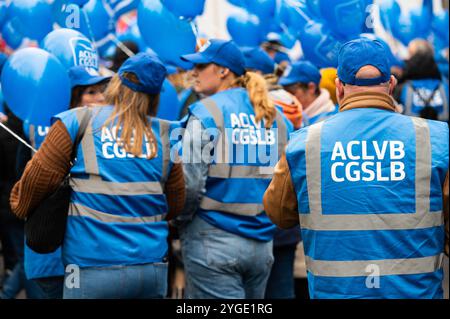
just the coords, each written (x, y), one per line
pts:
(117, 209)
(244, 156)
(369, 190)
(40, 265)
(417, 94)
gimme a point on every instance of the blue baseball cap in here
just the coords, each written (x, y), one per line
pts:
(79, 75)
(220, 52)
(300, 72)
(360, 52)
(257, 59)
(149, 70)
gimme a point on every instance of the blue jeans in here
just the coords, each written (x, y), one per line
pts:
(119, 282)
(222, 265)
(281, 281)
(49, 288)
(17, 281)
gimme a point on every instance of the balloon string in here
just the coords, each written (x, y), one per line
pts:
(18, 137)
(299, 11)
(122, 46)
(197, 39)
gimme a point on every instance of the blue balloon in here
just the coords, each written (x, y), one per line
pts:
(319, 46)
(11, 34)
(169, 106)
(71, 48)
(345, 18)
(35, 17)
(3, 13)
(187, 9)
(314, 8)
(415, 24)
(80, 3)
(262, 8)
(93, 19)
(440, 27)
(35, 85)
(389, 13)
(2, 108)
(293, 15)
(440, 30)
(239, 3)
(169, 36)
(245, 29)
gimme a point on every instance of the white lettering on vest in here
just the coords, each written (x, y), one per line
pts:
(368, 161)
(247, 131)
(111, 149)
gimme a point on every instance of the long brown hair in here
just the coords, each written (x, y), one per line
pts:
(259, 97)
(131, 110)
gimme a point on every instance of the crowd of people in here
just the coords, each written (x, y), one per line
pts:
(245, 189)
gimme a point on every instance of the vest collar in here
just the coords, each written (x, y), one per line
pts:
(367, 100)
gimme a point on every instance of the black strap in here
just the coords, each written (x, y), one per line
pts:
(81, 129)
(427, 100)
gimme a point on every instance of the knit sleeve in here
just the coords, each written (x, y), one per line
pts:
(175, 191)
(44, 172)
(280, 199)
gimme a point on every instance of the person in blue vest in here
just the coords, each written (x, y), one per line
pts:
(47, 270)
(125, 188)
(367, 188)
(302, 79)
(423, 90)
(232, 141)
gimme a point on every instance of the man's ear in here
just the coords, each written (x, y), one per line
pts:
(392, 84)
(339, 89)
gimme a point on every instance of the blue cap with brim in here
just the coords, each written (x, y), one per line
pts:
(80, 76)
(257, 59)
(361, 52)
(149, 70)
(220, 52)
(300, 72)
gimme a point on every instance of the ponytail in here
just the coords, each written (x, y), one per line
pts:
(257, 90)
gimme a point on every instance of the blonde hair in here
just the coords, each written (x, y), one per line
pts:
(259, 97)
(131, 110)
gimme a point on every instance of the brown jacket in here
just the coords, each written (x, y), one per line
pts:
(51, 164)
(280, 199)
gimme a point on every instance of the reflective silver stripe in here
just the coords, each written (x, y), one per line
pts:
(364, 268)
(313, 168)
(241, 171)
(164, 135)
(423, 165)
(32, 134)
(97, 186)
(81, 210)
(333, 222)
(222, 146)
(235, 208)
(444, 115)
(409, 98)
(87, 145)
